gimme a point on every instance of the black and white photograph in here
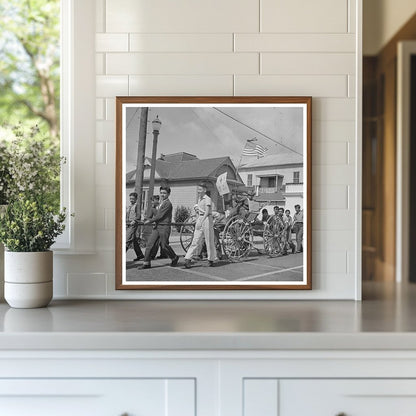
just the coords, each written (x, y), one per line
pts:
(213, 193)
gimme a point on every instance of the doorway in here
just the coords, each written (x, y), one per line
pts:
(406, 152)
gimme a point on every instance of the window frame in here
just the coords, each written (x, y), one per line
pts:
(78, 99)
(249, 179)
(296, 173)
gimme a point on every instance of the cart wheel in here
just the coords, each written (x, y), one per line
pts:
(237, 238)
(273, 238)
(187, 233)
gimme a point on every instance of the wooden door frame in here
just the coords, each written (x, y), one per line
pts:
(404, 50)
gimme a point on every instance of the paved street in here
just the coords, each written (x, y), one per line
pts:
(256, 267)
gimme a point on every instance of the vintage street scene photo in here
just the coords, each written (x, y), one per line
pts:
(213, 194)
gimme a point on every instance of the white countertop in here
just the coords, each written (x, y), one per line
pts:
(384, 320)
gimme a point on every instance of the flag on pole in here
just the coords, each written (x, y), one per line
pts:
(261, 150)
(251, 149)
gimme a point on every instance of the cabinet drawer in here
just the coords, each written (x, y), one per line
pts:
(86, 397)
(347, 397)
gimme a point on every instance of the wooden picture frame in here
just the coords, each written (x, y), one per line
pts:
(256, 148)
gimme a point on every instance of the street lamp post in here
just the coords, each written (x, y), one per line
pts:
(156, 124)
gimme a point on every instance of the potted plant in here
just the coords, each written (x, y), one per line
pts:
(5, 179)
(28, 229)
(32, 220)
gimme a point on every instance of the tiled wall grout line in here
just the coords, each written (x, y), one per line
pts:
(349, 16)
(234, 84)
(105, 16)
(260, 64)
(260, 19)
(348, 153)
(348, 197)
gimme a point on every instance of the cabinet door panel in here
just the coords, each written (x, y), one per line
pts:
(260, 397)
(132, 397)
(349, 397)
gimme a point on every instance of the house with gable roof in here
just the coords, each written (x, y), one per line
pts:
(182, 172)
(277, 179)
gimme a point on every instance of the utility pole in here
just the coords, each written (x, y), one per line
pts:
(140, 161)
(156, 124)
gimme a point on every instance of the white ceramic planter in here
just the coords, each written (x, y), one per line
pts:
(2, 211)
(28, 279)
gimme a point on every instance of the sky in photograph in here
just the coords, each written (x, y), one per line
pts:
(208, 133)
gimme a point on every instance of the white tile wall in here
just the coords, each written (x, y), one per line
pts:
(100, 64)
(334, 109)
(233, 47)
(330, 153)
(181, 63)
(181, 85)
(333, 175)
(111, 86)
(330, 196)
(299, 16)
(332, 220)
(112, 42)
(283, 42)
(332, 131)
(351, 86)
(314, 85)
(99, 109)
(100, 153)
(110, 109)
(328, 241)
(182, 16)
(181, 42)
(100, 15)
(312, 63)
(88, 284)
(318, 16)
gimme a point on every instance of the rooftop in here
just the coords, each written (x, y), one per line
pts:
(275, 160)
(182, 166)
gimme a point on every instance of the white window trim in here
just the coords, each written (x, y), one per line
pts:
(405, 50)
(78, 126)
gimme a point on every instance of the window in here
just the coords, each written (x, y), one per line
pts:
(268, 182)
(295, 177)
(30, 74)
(250, 179)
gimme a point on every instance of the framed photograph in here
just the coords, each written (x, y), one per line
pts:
(213, 193)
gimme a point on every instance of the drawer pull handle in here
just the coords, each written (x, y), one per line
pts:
(341, 414)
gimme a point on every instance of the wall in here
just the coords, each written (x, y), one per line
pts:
(237, 47)
(380, 127)
(286, 172)
(381, 20)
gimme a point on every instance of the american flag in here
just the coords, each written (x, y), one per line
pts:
(252, 149)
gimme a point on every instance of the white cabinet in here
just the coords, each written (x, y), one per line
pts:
(207, 383)
(112, 383)
(97, 397)
(348, 397)
(330, 397)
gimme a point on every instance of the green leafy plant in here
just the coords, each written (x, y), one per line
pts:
(29, 225)
(30, 168)
(182, 213)
(30, 163)
(5, 176)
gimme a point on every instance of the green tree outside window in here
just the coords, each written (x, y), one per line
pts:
(30, 63)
